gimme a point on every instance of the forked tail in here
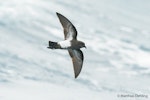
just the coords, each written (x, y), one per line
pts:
(53, 45)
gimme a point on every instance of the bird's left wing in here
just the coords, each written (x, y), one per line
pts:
(77, 59)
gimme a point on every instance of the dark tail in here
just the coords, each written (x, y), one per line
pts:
(53, 45)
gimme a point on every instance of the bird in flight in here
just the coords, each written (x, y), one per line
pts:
(70, 43)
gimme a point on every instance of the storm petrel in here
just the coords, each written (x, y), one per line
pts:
(70, 43)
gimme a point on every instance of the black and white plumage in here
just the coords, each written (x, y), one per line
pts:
(70, 43)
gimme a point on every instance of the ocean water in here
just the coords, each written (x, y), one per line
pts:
(117, 58)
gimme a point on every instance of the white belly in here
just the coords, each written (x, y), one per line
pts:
(65, 44)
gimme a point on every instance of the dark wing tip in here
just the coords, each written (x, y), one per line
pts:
(77, 72)
(76, 75)
(57, 13)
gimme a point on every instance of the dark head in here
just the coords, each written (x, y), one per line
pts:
(82, 45)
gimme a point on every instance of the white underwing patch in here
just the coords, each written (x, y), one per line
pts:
(65, 44)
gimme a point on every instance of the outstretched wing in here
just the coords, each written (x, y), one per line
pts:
(77, 59)
(70, 31)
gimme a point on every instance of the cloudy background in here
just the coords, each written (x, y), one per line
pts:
(117, 58)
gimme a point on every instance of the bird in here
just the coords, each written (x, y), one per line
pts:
(70, 43)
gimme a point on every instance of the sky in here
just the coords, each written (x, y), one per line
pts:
(116, 62)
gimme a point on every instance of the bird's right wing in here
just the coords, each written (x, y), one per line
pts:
(77, 59)
(70, 31)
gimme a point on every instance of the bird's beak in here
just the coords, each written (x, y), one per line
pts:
(85, 47)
